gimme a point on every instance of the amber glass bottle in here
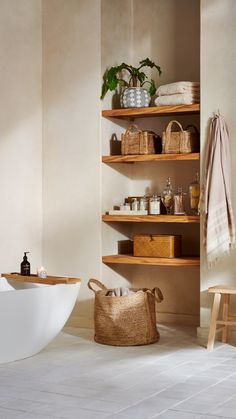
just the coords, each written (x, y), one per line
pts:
(194, 195)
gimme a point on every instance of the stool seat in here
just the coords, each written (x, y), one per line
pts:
(226, 319)
(222, 289)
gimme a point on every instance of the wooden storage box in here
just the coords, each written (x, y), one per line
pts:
(157, 245)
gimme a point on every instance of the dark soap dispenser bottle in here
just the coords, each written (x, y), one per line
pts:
(25, 266)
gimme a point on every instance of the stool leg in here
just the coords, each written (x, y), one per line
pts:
(214, 316)
(225, 317)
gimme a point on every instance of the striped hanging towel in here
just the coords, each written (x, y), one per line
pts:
(219, 229)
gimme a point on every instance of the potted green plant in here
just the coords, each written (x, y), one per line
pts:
(134, 95)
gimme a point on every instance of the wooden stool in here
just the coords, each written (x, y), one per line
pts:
(226, 319)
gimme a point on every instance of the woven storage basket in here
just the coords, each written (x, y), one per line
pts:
(136, 141)
(128, 320)
(157, 245)
(183, 141)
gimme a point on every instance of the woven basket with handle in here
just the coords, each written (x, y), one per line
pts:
(127, 320)
(182, 141)
(136, 141)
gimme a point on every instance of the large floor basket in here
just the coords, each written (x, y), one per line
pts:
(127, 320)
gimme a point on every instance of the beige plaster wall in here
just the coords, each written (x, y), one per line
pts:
(20, 133)
(71, 143)
(116, 47)
(218, 90)
(168, 33)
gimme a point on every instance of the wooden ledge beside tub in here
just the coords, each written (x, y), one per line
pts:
(50, 280)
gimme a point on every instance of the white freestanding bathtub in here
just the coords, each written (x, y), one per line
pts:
(31, 315)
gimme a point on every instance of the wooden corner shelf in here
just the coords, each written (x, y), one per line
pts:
(50, 280)
(152, 111)
(194, 219)
(157, 111)
(136, 158)
(133, 260)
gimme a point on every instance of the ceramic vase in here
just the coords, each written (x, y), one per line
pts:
(135, 97)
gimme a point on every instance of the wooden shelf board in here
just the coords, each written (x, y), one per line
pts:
(133, 158)
(194, 219)
(152, 111)
(132, 260)
(50, 280)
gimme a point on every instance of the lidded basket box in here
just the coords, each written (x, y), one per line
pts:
(157, 245)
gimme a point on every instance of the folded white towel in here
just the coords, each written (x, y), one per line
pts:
(178, 87)
(180, 99)
(120, 292)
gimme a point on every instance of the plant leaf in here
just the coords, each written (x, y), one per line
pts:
(104, 85)
(148, 63)
(141, 76)
(152, 88)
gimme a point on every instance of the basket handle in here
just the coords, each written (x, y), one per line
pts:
(192, 126)
(114, 137)
(96, 282)
(157, 294)
(169, 126)
(132, 128)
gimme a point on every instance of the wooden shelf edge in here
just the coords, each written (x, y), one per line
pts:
(132, 260)
(151, 111)
(193, 219)
(149, 157)
(50, 280)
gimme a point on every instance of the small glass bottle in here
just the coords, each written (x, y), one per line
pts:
(146, 201)
(194, 195)
(154, 205)
(142, 204)
(127, 206)
(167, 196)
(179, 208)
(134, 205)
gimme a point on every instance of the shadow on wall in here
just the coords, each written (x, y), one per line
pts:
(180, 288)
(70, 74)
(21, 68)
(71, 90)
(187, 48)
(70, 238)
(20, 132)
(177, 21)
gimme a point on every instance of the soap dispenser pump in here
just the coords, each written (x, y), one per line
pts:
(25, 266)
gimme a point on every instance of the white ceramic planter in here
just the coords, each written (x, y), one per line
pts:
(135, 97)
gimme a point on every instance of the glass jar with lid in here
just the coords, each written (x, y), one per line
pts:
(143, 203)
(154, 205)
(134, 205)
(179, 205)
(167, 197)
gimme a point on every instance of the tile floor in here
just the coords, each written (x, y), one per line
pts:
(75, 378)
